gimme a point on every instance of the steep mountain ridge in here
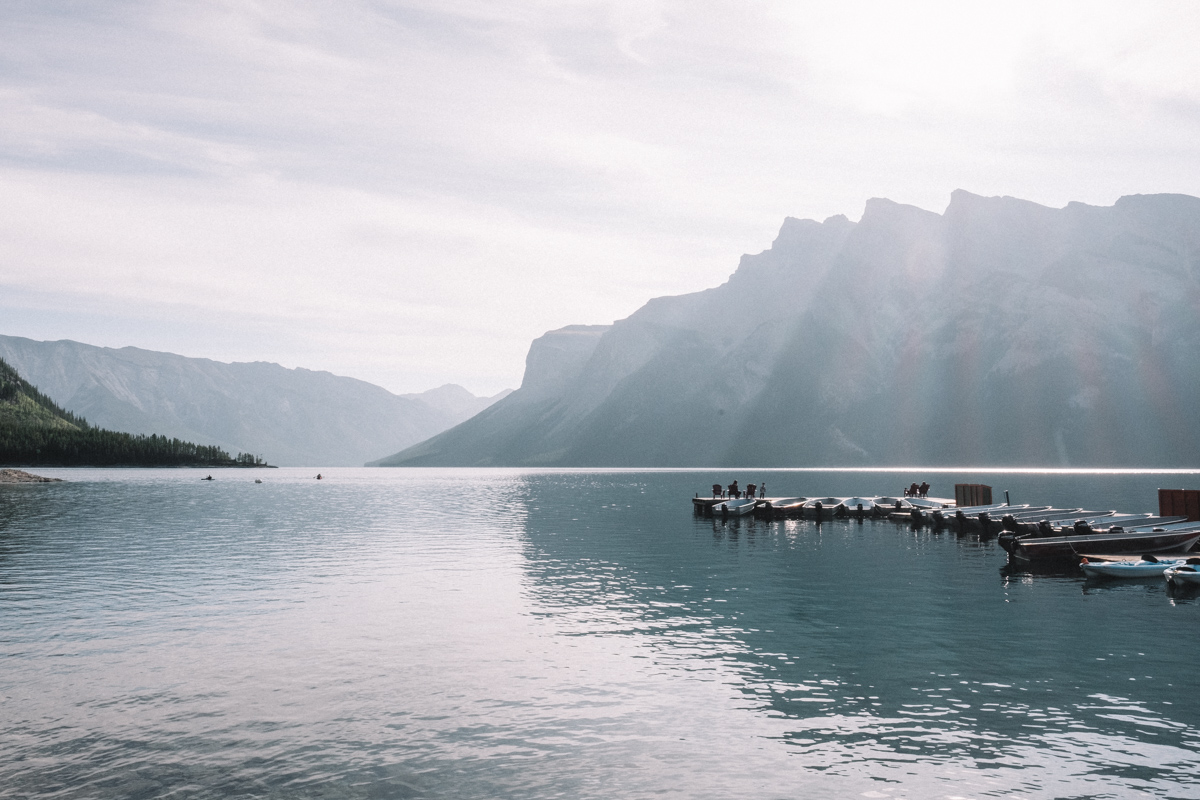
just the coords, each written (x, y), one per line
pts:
(998, 332)
(290, 416)
(35, 431)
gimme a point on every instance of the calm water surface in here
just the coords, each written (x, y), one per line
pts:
(502, 633)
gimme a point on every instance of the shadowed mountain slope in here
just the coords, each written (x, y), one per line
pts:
(999, 332)
(291, 417)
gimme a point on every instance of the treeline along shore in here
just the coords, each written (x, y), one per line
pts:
(35, 431)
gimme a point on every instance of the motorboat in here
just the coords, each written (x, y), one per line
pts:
(958, 518)
(1188, 572)
(1042, 523)
(984, 523)
(1037, 548)
(1122, 522)
(885, 505)
(783, 507)
(822, 508)
(734, 508)
(859, 506)
(1147, 566)
(1161, 526)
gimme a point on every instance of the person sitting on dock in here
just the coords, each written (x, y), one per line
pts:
(734, 493)
(716, 490)
(914, 490)
(924, 489)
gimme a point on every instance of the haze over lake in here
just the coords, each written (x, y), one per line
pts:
(527, 634)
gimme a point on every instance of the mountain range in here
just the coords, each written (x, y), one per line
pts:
(1000, 332)
(290, 417)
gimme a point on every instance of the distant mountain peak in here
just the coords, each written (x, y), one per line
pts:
(999, 332)
(290, 416)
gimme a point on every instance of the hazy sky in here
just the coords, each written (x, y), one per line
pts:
(409, 192)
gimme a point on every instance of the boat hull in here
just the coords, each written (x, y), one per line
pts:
(1183, 574)
(1071, 547)
(1128, 569)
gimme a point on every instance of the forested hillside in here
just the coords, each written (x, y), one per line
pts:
(34, 431)
(291, 416)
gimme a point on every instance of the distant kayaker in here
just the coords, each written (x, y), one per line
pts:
(209, 478)
(318, 476)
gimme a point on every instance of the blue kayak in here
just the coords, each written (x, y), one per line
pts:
(1146, 567)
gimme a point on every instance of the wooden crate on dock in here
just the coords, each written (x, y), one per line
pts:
(972, 494)
(1179, 503)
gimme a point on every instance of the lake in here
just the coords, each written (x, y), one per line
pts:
(402, 633)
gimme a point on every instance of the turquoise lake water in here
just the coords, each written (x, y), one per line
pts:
(579, 634)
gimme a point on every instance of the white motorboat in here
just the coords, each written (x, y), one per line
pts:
(822, 508)
(852, 504)
(734, 508)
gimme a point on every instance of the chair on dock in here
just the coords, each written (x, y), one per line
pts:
(716, 490)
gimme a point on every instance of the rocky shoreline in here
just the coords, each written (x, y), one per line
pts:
(20, 476)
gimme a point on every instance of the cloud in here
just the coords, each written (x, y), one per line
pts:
(410, 192)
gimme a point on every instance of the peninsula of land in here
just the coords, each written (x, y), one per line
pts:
(34, 431)
(21, 476)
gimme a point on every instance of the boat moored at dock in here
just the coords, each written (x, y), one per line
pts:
(1186, 573)
(1148, 566)
(1071, 547)
(734, 508)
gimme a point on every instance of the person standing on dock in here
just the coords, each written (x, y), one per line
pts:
(762, 491)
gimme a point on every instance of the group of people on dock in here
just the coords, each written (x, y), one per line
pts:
(733, 492)
(917, 491)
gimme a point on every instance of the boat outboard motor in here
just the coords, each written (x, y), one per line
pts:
(960, 520)
(939, 519)
(1045, 528)
(1082, 528)
(818, 507)
(985, 522)
(915, 516)
(1008, 522)
(860, 511)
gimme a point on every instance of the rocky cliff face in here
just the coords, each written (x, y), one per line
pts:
(291, 417)
(999, 332)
